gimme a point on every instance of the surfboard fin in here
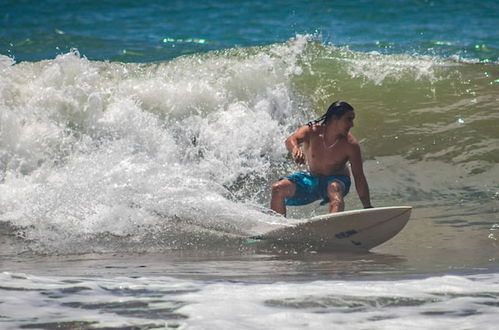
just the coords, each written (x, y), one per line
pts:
(253, 239)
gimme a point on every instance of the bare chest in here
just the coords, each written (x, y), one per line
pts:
(333, 157)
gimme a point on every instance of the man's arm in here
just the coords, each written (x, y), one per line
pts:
(358, 174)
(294, 141)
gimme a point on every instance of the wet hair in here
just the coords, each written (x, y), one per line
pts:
(337, 109)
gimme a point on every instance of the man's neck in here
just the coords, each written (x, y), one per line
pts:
(330, 134)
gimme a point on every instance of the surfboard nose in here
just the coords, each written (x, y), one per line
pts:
(364, 229)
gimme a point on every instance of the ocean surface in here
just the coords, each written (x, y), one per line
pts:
(139, 140)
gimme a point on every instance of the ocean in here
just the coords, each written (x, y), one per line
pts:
(139, 141)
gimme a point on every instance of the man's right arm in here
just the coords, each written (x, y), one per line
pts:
(294, 141)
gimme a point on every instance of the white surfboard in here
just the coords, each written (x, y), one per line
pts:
(350, 230)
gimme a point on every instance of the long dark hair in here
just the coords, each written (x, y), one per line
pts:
(337, 109)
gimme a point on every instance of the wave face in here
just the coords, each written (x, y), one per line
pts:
(100, 156)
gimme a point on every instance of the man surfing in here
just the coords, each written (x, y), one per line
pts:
(326, 146)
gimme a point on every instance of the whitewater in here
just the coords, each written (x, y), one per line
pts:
(127, 189)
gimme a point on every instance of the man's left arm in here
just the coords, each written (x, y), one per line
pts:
(359, 177)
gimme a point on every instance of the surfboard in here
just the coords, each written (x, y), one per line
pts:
(349, 230)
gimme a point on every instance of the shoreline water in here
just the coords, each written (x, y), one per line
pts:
(165, 302)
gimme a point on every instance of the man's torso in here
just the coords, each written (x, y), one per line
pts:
(326, 160)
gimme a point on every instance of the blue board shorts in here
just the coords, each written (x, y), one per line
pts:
(310, 188)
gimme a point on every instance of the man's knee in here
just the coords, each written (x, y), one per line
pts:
(335, 187)
(283, 188)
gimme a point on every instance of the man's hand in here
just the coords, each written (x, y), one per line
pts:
(294, 141)
(298, 156)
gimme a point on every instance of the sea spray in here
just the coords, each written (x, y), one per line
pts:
(101, 151)
(99, 156)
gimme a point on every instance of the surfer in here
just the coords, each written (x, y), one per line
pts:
(326, 146)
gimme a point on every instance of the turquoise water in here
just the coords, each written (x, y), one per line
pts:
(161, 30)
(138, 143)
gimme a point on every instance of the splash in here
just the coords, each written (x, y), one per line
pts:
(98, 150)
(99, 156)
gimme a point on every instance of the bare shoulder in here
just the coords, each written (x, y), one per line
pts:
(352, 140)
(307, 130)
(353, 146)
(313, 129)
(302, 133)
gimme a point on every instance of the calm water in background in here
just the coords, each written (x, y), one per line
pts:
(161, 30)
(122, 204)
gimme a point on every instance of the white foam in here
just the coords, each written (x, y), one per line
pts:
(437, 302)
(458, 302)
(98, 148)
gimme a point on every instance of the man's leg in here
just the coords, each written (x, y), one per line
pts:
(335, 194)
(280, 191)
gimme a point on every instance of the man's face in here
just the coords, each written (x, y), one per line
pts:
(345, 123)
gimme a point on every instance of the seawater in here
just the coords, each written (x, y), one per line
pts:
(134, 162)
(165, 302)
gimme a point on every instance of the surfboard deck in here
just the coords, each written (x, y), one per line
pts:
(349, 230)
